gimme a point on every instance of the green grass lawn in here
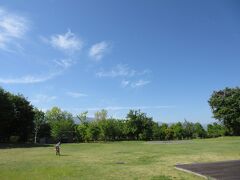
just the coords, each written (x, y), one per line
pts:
(114, 160)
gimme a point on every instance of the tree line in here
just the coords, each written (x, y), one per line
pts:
(136, 126)
(21, 122)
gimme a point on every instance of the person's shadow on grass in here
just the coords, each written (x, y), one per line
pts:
(64, 155)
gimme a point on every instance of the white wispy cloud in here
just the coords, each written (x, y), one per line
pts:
(119, 70)
(29, 79)
(64, 63)
(43, 98)
(146, 71)
(136, 84)
(60, 66)
(76, 94)
(123, 70)
(125, 83)
(139, 83)
(68, 42)
(12, 28)
(98, 50)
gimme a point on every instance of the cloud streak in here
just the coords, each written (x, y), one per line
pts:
(60, 66)
(29, 79)
(12, 28)
(125, 83)
(42, 98)
(98, 50)
(139, 83)
(64, 63)
(121, 70)
(76, 94)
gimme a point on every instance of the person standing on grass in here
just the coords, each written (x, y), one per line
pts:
(57, 147)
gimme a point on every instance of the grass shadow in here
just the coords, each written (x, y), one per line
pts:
(18, 145)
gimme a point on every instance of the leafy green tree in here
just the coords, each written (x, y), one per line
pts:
(225, 105)
(199, 131)
(61, 123)
(38, 120)
(169, 134)
(118, 130)
(82, 132)
(55, 114)
(22, 125)
(7, 115)
(163, 130)
(45, 131)
(123, 129)
(147, 132)
(62, 130)
(83, 117)
(188, 129)
(139, 125)
(81, 129)
(93, 131)
(107, 129)
(177, 131)
(215, 130)
(133, 124)
(101, 115)
(156, 131)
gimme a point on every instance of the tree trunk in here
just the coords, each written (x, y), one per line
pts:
(35, 137)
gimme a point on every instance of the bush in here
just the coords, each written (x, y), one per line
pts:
(14, 139)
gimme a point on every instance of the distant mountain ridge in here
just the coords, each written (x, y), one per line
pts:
(77, 121)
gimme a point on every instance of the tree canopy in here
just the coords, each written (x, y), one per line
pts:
(225, 105)
(61, 123)
(16, 117)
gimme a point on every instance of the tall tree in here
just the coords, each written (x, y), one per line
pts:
(39, 120)
(177, 130)
(93, 131)
(7, 115)
(225, 105)
(169, 133)
(199, 131)
(147, 132)
(156, 131)
(139, 125)
(81, 129)
(188, 129)
(163, 130)
(16, 116)
(23, 117)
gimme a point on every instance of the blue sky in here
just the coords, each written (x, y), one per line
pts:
(164, 57)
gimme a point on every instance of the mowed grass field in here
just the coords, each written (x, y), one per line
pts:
(114, 160)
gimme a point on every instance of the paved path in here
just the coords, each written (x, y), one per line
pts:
(225, 170)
